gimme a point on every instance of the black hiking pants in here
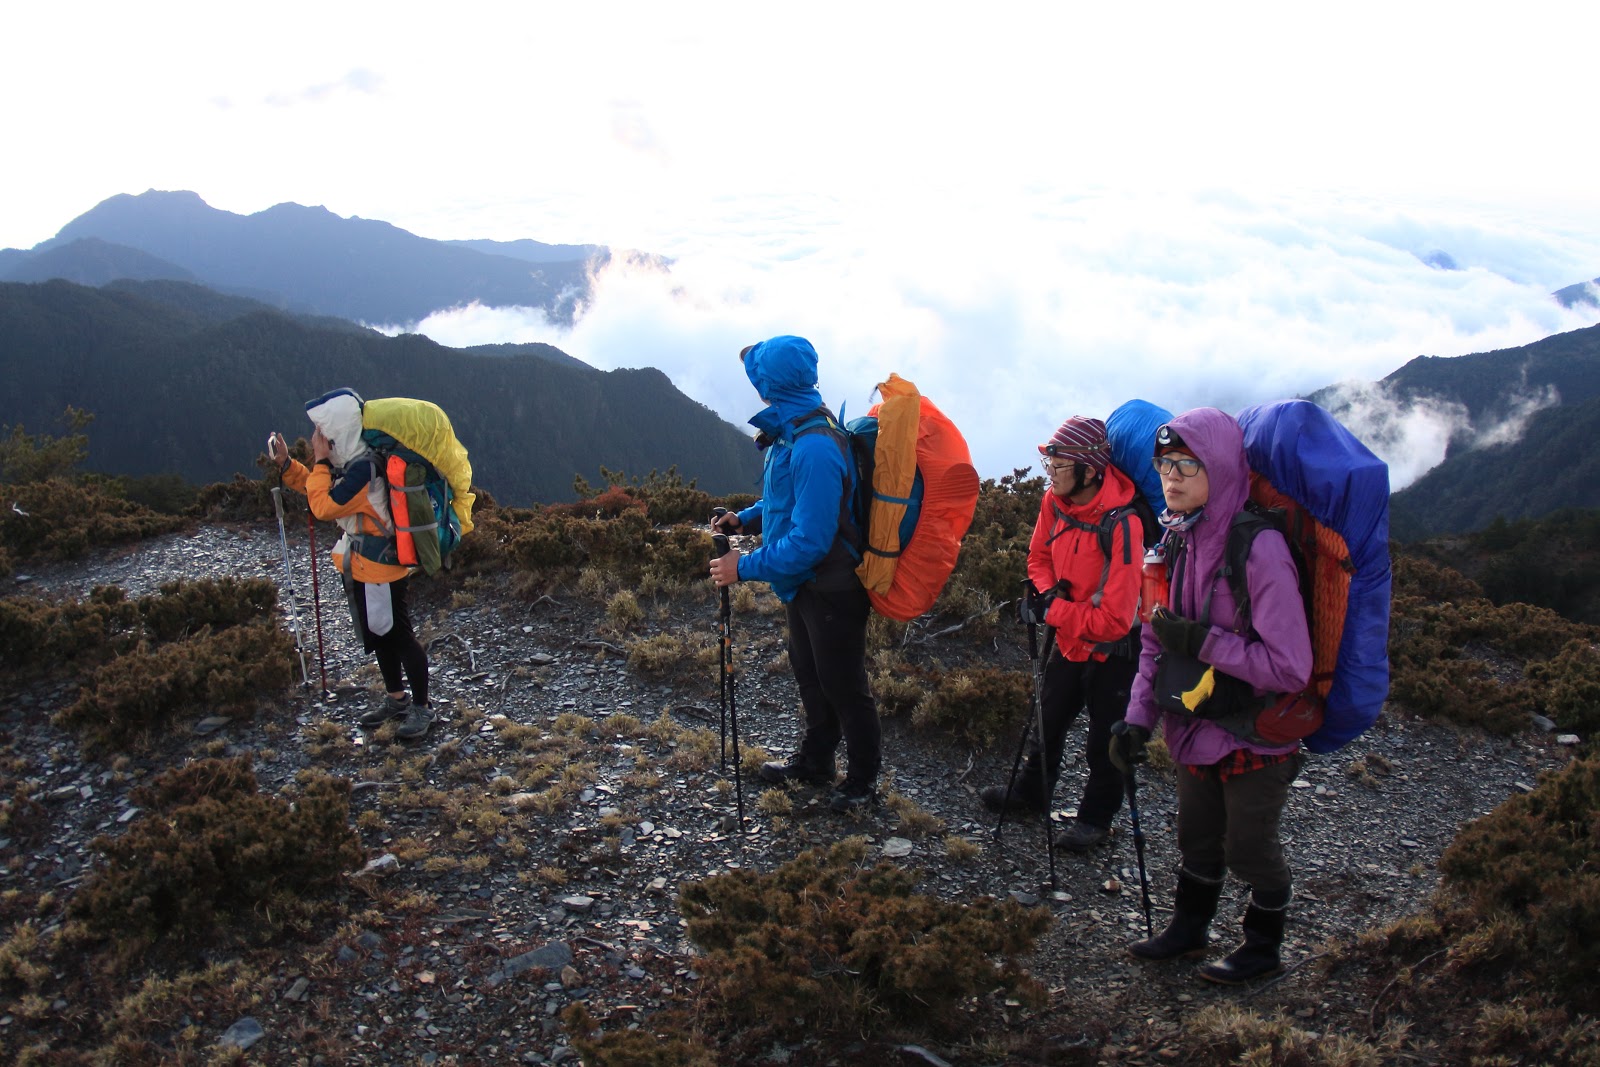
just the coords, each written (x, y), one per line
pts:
(1067, 687)
(398, 649)
(828, 652)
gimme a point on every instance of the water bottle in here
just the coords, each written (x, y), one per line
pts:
(1152, 582)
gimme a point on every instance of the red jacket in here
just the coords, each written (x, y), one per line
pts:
(1100, 600)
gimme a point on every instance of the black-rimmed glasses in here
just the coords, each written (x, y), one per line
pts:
(1186, 466)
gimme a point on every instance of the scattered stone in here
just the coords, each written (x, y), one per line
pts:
(917, 1052)
(1023, 897)
(211, 724)
(550, 957)
(297, 989)
(1112, 885)
(382, 864)
(895, 847)
(128, 815)
(1543, 723)
(577, 903)
(1406, 842)
(658, 885)
(1566, 739)
(242, 1034)
(570, 978)
(538, 659)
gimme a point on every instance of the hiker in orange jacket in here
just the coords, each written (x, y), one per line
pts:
(344, 486)
(1088, 597)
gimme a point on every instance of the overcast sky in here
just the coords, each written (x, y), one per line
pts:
(1030, 209)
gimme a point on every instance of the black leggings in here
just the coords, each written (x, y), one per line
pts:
(398, 650)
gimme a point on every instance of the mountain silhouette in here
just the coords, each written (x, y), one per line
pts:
(182, 380)
(308, 259)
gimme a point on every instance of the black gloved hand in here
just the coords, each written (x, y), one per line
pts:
(1178, 635)
(1033, 605)
(1127, 745)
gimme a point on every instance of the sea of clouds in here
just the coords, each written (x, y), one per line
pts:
(1013, 313)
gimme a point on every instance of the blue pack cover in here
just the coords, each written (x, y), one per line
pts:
(1131, 429)
(1307, 454)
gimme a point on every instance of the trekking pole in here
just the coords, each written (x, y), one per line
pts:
(288, 578)
(723, 548)
(722, 646)
(1131, 786)
(1044, 769)
(1027, 725)
(316, 597)
(1035, 722)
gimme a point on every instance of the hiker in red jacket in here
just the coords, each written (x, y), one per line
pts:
(1088, 597)
(1231, 793)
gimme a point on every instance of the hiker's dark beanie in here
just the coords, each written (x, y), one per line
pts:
(1083, 439)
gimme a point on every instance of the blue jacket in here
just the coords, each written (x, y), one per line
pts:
(805, 478)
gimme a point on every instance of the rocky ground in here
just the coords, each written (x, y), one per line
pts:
(472, 962)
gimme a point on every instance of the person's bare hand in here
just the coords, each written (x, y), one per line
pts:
(725, 569)
(278, 448)
(321, 449)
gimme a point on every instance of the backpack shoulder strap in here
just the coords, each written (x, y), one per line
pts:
(1104, 530)
(1242, 533)
(821, 420)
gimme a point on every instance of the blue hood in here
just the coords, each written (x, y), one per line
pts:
(784, 372)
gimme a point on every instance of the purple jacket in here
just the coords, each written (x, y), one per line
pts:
(1279, 658)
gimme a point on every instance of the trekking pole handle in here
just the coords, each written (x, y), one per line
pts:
(720, 543)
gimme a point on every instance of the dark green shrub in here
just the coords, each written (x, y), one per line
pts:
(212, 852)
(994, 554)
(976, 704)
(632, 1048)
(37, 636)
(1571, 681)
(26, 458)
(140, 692)
(1535, 862)
(182, 608)
(826, 945)
(62, 520)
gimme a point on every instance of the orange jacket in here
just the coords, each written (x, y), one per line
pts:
(358, 514)
(1100, 601)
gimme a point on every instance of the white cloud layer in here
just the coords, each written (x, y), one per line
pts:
(1013, 316)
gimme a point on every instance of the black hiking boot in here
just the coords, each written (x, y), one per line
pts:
(389, 709)
(853, 796)
(1193, 908)
(419, 720)
(998, 798)
(1082, 836)
(798, 769)
(1258, 956)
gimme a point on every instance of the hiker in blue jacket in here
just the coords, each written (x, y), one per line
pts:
(808, 554)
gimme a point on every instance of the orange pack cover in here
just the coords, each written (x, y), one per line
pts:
(1327, 560)
(903, 581)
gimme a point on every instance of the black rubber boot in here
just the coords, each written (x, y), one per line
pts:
(1263, 936)
(1193, 908)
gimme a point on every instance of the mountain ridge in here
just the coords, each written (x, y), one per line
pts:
(190, 386)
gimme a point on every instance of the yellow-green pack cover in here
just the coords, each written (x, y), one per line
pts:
(423, 427)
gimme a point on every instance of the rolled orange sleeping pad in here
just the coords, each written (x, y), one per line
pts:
(400, 510)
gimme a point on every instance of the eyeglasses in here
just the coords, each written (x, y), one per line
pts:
(1186, 467)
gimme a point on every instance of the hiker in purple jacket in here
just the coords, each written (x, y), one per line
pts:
(1231, 794)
